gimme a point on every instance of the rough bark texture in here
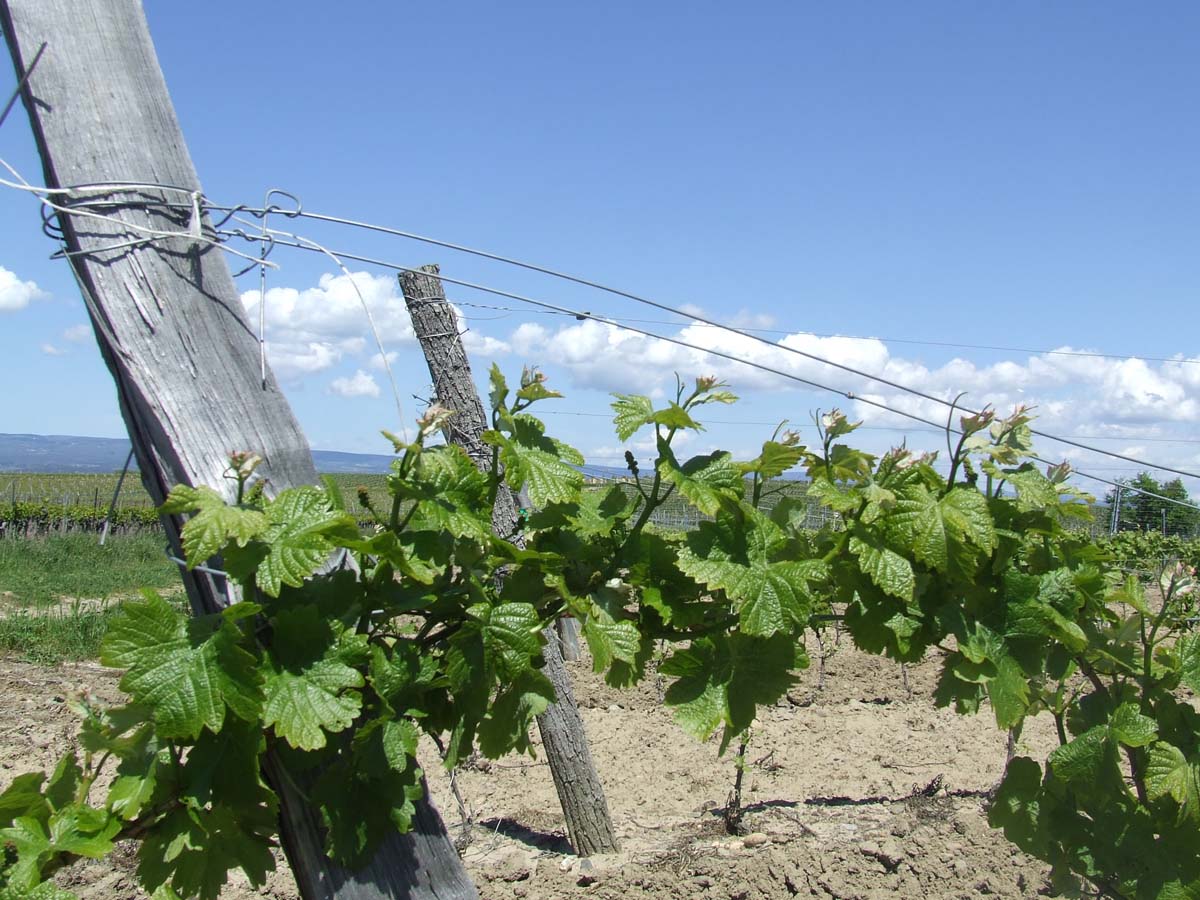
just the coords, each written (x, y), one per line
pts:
(580, 792)
(173, 333)
(568, 637)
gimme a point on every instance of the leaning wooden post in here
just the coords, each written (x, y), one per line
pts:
(580, 792)
(173, 333)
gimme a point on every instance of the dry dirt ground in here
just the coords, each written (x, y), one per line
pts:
(834, 806)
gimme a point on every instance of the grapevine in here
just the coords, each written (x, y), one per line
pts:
(338, 668)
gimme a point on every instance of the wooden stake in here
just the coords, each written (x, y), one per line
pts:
(580, 792)
(173, 333)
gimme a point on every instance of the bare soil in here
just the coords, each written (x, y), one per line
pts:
(861, 789)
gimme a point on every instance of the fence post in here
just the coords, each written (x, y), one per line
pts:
(173, 333)
(579, 789)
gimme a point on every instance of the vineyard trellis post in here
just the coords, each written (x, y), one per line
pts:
(580, 791)
(172, 332)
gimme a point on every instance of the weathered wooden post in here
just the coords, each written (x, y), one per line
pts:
(580, 792)
(173, 333)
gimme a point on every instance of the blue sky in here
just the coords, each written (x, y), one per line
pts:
(1017, 175)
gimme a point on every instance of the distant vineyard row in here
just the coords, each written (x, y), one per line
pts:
(32, 505)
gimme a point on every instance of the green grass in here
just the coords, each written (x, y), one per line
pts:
(45, 581)
(40, 571)
(51, 636)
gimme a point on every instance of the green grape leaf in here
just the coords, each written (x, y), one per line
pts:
(511, 637)
(567, 453)
(945, 533)
(966, 513)
(499, 388)
(775, 459)
(506, 727)
(301, 523)
(129, 794)
(879, 501)
(1170, 773)
(214, 522)
(1034, 490)
(1008, 690)
(47, 890)
(1188, 651)
(31, 841)
(1032, 618)
(632, 412)
(1017, 806)
(64, 782)
(1129, 726)
(598, 512)
(188, 670)
(533, 461)
(704, 481)
(891, 572)
(732, 554)
(195, 851)
(384, 746)
(536, 390)
(610, 640)
(80, 830)
(918, 520)
(24, 797)
(673, 416)
(833, 496)
(548, 478)
(309, 685)
(137, 774)
(1082, 760)
(723, 679)
(75, 829)
(360, 811)
(452, 494)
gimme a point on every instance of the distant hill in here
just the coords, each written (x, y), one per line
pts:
(71, 453)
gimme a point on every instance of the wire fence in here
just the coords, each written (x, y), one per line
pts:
(679, 515)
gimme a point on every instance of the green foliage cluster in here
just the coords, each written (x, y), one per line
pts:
(39, 516)
(1143, 503)
(336, 671)
(1146, 552)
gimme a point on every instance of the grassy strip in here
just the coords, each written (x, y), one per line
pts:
(41, 571)
(52, 636)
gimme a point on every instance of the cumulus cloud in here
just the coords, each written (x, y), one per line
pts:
(16, 294)
(482, 345)
(77, 334)
(1117, 398)
(360, 384)
(377, 359)
(314, 329)
(51, 350)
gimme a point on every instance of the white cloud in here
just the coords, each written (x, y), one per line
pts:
(316, 328)
(51, 350)
(360, 384)
(16, 294)
(745, 318)
(482, 345)
(528, 337)
(1091, 395)
(77, 334)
